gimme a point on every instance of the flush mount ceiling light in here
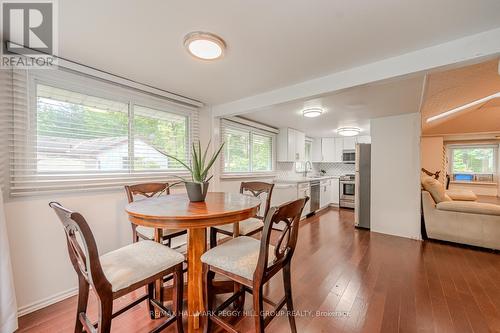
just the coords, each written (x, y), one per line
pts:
(204, 45)
(348, 131)
(463, 107)
(312, 112)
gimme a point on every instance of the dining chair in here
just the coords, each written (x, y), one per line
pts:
(251, 263)
(118, 273)
(249, 226)
(148, 190)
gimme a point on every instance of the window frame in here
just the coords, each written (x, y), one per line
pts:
(452, 147)
(227, 123)
(87, 85)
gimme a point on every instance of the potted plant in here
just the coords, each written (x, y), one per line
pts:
(197, 187)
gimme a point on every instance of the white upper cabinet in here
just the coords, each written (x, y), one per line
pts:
(328, 149)
(316, 154)
(339, 147)
(291, 145)
(349, 143)
(364, 139)
(300, 146)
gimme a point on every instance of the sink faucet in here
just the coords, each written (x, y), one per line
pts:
(308, 163)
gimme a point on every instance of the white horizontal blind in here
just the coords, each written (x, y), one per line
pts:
(65, 139)
(5, 128)
(262, 152)
(247, 149)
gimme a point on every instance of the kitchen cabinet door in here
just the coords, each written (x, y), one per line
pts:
(291, 145)
(325, 193)
(339, 147)
(335, 198)
(328, 149)
(316, 150)
(349, 143)
(300, 146)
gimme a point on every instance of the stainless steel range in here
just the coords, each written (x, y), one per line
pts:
(347, 190)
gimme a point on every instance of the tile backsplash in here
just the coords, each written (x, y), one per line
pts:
(287, 169)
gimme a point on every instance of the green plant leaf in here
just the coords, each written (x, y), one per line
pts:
(200, 162)
(212, 160)
(178, 160)
(196, 167)
(205, 154)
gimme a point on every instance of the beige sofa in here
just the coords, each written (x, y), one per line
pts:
(465, 222)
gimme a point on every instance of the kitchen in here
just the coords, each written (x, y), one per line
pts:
(323, 169)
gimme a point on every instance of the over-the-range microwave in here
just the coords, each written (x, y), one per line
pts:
(349, 156)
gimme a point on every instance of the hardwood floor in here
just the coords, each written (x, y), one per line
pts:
(356, 281)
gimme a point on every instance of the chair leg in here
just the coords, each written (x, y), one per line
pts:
(83, 298)
(208, 296)
(258, 308)
(135, 237)
(151, 295)
(239, 304)
(177, 299)
(287, 282)
(105, 315)
(213, 238)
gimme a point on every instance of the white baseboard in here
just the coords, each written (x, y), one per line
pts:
(24, 310)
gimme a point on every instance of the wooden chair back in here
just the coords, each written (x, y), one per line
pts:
(290, 214)
(84, 257)
(257, 189)
(146, 190)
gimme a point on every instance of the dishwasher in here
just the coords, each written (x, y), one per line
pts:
(315, 193)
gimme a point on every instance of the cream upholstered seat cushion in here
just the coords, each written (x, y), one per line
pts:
(137, 262)
(462, 195)
(238, 256)
(150, 232)
(435, 188)
(469, 207)
(246, 226)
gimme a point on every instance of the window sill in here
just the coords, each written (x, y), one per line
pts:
(473, 183)
(248, 175)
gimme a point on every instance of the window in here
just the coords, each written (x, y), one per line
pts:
(84, 133)
(473, 163)
(246, 149)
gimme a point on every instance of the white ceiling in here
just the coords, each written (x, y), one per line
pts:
(351, 107)
(271, 44)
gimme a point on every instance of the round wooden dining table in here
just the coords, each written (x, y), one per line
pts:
(175, 211)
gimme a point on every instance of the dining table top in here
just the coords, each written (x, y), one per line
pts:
(175, 210)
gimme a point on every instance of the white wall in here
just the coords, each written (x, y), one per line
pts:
(395, 172)
(431, 155)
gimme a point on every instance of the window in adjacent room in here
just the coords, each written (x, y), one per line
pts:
(473, 163)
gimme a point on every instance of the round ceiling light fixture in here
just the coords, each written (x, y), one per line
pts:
(204, 45)
(348, 131)
(312, 112)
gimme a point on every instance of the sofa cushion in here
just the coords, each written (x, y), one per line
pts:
(435, 188)
(469, 207)
(462, 195)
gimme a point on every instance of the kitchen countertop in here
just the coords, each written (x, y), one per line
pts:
(299, 180)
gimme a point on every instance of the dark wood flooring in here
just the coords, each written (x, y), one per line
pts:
(348, 280)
